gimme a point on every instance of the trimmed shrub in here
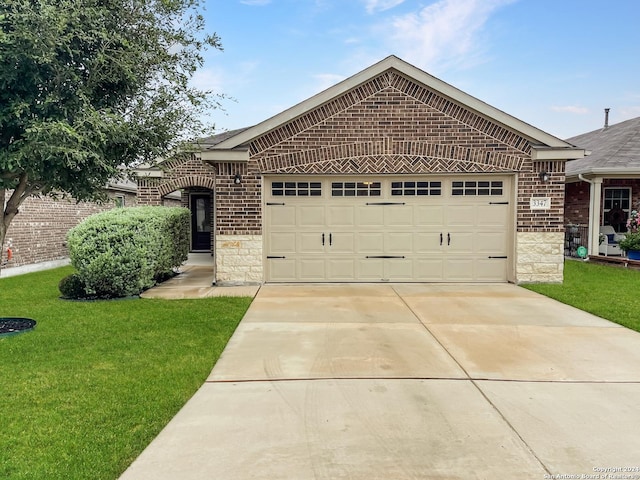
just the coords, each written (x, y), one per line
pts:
(72, 286)
(123, 251)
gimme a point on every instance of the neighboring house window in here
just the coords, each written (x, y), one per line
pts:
(119, 201)
(616, 206)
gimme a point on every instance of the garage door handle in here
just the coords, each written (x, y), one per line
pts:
(269, 256)
(385, 256)
(323, 239)
(386, 203)
(330, 239)
(441, 239)
(498, 203)
(502, 256)
(448, 239)
(273, 203)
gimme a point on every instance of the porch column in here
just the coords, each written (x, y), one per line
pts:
(595, 195)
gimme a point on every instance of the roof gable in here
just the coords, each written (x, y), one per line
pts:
(395, 65)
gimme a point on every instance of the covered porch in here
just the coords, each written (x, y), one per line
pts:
(602, 189)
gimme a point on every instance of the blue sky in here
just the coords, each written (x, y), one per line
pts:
(555, 64)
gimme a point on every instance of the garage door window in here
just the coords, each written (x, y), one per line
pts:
(355, 189)
(296, 189)
(472, 188)
(416, 188)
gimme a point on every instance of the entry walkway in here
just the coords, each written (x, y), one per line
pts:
(196, 281)
(408, 381)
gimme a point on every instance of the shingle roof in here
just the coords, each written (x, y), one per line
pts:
(614, 150)
(221, 137)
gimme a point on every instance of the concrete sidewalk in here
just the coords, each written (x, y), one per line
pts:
(195, 281)
(409, 381)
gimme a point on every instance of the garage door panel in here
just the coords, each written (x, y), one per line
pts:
(310, 242)
(311, 216)
(341, 216)
(282, 270)
(491, 270)
(342, 242)
(370, 243)
(459, 269)
(341, 268)
(429, 269)
(369, 216)
(398, 216)
(491, 243)
(282, 216)
(460, 216)
(371, 269)
(398, 269)
(492, 215)
(427, 242)
(429, 215)
(282, 243)
(397, 243)
(312, 269)
(459, 242)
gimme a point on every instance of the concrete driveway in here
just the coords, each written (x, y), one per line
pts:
(410, 382)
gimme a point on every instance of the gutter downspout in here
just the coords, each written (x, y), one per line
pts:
(594, 209)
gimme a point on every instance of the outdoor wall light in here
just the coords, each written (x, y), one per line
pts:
(237, 179)
(544, 177)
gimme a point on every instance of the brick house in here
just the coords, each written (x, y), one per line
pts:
(37, 235)
(391, 175)
(603, 187)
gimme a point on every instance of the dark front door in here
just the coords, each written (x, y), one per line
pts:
(201, 222)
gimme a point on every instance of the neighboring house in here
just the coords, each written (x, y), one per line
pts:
(603, 187)
(389, 176)
(37, 235)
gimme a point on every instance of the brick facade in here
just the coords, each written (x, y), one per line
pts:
(389, 124)
(38, 233)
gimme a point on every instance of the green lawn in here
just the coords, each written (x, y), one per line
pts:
(85, 392)
(610, 292)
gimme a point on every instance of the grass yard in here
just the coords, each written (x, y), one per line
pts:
(606, 291)
(85, 392)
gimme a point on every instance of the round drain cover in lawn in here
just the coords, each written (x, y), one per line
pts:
(14, 325)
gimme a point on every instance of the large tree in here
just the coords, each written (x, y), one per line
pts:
(87, 86)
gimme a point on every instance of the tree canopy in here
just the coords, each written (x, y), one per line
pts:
(87, 86)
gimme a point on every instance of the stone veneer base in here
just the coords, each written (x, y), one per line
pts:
(540, 257)
(239, 259)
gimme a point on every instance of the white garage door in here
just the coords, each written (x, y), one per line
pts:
(418, 229)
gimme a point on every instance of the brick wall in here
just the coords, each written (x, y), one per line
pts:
(38, 232)
(577, 197)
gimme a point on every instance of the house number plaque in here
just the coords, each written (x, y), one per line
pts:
(540, 203)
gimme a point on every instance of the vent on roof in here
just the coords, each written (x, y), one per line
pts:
(606, 117)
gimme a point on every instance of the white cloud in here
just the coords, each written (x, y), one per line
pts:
(207, 79)
(326, 80)
(444, 34)
(570, 109)
(258, 3)
(374, 6)
(628, 112)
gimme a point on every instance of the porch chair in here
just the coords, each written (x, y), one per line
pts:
(609, 245)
